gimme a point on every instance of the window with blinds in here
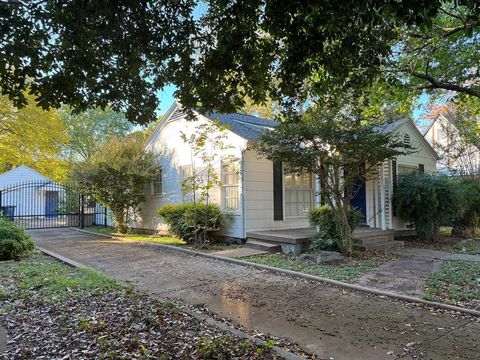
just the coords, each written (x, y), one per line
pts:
(157, 184)
(230, 184)
(298, 194)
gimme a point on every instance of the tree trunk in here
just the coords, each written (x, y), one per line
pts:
(121, 227)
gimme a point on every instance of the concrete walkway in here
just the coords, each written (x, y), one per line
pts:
(436, 254)
(402, 276)
(333, 323)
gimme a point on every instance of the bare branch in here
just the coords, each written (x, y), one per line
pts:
(437, 84)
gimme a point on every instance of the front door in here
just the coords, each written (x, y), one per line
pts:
(359, 199)
(51, 203)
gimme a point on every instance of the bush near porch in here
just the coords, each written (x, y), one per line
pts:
(329, 237)
(432, 201)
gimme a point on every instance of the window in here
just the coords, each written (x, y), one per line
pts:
(298, 194)
(406, 139)
(230, 181)
(157, 184)
(406, 169)
(186, 172)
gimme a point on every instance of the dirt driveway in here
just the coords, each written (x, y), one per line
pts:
(332, 322)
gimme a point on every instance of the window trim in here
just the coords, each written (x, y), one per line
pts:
(183, 195)
(312, 195)
(224, 186)
(155, 181)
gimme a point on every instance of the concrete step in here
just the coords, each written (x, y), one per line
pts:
(385, 245)
(263, 245)
(374, 240)
(389, 237)
(369, 232)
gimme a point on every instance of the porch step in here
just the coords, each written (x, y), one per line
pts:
(375, 239)
(286, 236)
(382, 245)
(263, 245)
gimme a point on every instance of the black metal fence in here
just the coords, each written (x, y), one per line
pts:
(48, 204)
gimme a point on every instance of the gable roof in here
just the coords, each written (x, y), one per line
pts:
(394, 126)
(23, 167)
(246, 126)
(251, 127)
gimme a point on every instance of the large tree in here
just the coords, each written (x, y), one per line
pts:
(120, 53)
(33, 137)
(90, 129)
(341, 147)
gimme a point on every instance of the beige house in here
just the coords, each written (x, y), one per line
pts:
(261, 195)
(457, 156)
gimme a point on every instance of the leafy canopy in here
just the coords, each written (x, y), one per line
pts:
(120, 53)
(33, 137)
(90, 129)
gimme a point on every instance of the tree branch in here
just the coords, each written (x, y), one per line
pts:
(437, 84)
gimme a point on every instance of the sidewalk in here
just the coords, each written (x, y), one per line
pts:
(436, 254)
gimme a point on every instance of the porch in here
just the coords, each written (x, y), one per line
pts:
(295, 240)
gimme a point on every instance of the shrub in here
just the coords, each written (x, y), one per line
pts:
(189, 220)
(324, 218)
(466, 224)
(428, 201)
(14, 242)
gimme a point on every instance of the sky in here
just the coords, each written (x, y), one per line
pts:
(165, 96)
(166, 99)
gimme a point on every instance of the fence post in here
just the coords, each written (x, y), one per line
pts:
(105, 218)
(1, 211)
(82, 212)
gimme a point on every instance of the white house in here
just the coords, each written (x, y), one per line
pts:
(457, 156)
(263, 196)
(27, 193)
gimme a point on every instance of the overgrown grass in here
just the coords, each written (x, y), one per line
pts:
(53, 280)
(471, 247)
(458, 282)
(346, 272)
(166, 240)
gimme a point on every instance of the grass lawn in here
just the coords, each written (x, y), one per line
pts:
(165, 240)
(457, 283)
(50, 310)
(346, 272)
(449, 243)
(471, 247)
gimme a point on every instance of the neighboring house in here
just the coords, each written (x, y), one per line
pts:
(27, 193)
(262, 195)
(457, 156)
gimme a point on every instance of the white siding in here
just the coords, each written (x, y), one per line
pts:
(258, 188)
(173, 153)
(20, 174)
(28, 201)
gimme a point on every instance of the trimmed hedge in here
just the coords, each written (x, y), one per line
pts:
(185, 219)
(14, 242)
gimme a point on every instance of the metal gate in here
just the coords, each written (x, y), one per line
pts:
(48, 204)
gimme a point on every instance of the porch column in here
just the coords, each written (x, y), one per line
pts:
(382, 199)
